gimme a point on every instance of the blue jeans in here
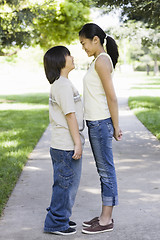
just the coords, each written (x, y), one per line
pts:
(100, 136)
(67, 172)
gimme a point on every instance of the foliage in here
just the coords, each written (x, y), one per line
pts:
(15, 25)
(147, 11)
(61, 25)
(25, 23)
(140, 42)
(20, 130)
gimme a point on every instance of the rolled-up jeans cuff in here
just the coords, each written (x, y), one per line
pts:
(110, 201)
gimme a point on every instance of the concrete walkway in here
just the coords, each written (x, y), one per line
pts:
(137, 160)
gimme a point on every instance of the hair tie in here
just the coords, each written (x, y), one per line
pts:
(106, 38)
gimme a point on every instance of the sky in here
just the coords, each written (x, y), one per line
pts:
(105, 20)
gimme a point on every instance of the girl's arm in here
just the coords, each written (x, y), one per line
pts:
(74, 130)
(104, 69)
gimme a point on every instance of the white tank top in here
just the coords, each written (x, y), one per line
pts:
(95, 102)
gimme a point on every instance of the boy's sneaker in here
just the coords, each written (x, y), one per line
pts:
(96, 228)
(72, 224)
(69, 231)
(89, 223)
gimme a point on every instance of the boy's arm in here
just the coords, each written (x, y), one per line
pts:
(74, 130)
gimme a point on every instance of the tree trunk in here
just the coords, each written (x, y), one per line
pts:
(148, 68)
(156, 68)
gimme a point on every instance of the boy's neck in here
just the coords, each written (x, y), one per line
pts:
(64, 73)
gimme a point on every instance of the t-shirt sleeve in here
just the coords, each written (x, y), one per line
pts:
(65, 99)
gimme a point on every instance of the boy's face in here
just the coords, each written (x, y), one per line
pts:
(69, 63)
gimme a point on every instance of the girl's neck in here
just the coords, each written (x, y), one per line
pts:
(99, 51)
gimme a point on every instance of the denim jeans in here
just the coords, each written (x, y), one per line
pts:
(100, 137)
(67, 172)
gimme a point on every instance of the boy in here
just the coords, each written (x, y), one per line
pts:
(66, 118)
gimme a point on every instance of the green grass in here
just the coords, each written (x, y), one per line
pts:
(20, 130)
(34, 98)
(147, 82)
(147, 110)
(146, 88)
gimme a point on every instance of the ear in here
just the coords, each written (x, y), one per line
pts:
(96, 39)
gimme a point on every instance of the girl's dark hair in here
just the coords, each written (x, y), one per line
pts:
(90, 30)
(54, 60)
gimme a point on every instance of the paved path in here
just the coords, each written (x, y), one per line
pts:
(137, 160)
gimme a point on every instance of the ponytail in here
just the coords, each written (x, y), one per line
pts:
(112, 49)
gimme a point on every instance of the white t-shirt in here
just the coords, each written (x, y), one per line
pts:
(64, 99)
(95, 102)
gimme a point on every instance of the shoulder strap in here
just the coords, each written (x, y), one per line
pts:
(106, 54)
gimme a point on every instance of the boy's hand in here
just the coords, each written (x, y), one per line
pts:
(77, 152)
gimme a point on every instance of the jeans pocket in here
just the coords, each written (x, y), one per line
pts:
(66, 172)
(110, 128)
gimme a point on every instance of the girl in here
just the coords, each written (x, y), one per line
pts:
(101, 114)
(66, 118)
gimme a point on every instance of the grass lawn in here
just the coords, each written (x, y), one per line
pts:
(23, 119)
(147, 108)
(148, 83)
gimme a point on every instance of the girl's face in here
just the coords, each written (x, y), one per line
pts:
(69, 63)
(88, 45)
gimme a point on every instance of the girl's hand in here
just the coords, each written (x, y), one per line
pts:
(117, 134)
(77, 152)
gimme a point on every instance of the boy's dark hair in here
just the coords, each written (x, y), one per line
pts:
(54, 60)
(90, 30)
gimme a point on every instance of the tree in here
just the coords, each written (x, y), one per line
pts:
(15, 25)
(147, 11)
(61, 23)
(151, 44)
(23, 23)
(140, 42)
